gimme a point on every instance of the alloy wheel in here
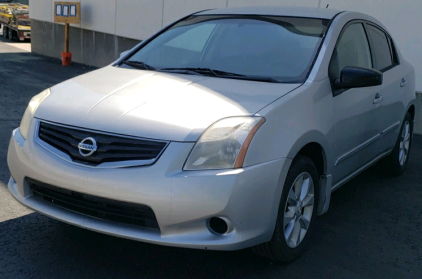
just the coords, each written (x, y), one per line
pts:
(404, 143)
(299, 209)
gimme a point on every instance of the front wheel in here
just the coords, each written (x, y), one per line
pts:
(296, 213)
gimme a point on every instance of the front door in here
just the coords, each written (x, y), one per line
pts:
(356, 131)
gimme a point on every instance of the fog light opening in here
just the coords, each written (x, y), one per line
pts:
(218, 225)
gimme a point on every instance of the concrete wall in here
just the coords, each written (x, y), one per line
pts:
(139, 19)
(87, 46)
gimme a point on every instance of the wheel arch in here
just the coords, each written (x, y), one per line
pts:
(315, 146)
(412, 111)
(316, 153)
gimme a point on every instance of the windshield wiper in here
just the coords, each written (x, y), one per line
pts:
(221, 74)
(138, 65)
(202, 71)
(257, 78)
(189, 71)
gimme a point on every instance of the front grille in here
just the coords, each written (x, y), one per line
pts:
(110, 148)
(106, 209)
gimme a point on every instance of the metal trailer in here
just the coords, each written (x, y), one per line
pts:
(14, 18)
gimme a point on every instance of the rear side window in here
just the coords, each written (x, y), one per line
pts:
(380, 48)
(393, 51)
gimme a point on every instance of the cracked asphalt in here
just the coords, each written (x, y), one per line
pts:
(372, 230)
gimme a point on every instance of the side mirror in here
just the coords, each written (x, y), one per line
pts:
(353, 77)
(124, 53)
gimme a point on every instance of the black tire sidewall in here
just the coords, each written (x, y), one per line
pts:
(280, 248)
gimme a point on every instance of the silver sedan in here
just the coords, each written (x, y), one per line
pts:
(228, 129)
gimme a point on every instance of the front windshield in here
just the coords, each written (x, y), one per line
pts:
(279, 48)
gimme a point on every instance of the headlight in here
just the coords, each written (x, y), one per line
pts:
(224, 144)
(30, 111)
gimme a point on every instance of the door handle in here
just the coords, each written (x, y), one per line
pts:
(378, 98)
(403, 82)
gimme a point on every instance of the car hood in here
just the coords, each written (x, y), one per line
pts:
(154, 105)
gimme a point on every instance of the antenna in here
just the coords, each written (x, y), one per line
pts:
(327, 6)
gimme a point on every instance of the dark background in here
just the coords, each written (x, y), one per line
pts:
(18, 1)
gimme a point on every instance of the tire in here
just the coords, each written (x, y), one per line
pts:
(395, 163)
(285, 249)
(11, 34)
(5, 32)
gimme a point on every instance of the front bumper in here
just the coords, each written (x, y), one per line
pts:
(183, 201)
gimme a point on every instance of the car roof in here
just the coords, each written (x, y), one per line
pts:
(275, 11)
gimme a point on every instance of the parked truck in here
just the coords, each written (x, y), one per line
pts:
(14, 18)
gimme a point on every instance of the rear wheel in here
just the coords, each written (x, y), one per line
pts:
(396, 162)
(296, 213)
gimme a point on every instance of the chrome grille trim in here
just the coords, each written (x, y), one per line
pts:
(106, 165)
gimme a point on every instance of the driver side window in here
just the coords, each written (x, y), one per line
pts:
(352, 50)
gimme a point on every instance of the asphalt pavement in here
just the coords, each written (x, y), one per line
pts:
(372, 230)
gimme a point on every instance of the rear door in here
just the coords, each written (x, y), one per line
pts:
(391, 109)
